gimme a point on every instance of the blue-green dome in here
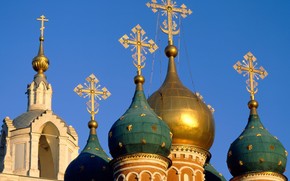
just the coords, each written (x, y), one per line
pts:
(139, 130)
(91, 164)
(212, 174)
(256, 150)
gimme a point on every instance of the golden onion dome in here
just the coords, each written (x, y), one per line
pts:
(40, 63)
(189, 118)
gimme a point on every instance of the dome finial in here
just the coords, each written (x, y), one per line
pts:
(138, 41)
(248, 68)
(93, 91)
(40, 63)
(169, 9)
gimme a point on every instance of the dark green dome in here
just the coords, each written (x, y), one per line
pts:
(256, 150)
(212, 174)
(91, 164)
(139, 130)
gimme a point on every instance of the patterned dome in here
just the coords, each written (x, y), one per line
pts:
(189, 118)
(256, 150)
(91, 164)
(139, 130)
(212, 174)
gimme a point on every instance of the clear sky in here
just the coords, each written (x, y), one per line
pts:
(81, 38)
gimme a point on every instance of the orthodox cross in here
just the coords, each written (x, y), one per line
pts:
(248, 67)
(139, 44)
(93, 91)
(168, 8)
(42, 19)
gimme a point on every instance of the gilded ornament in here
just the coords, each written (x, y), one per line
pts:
(261, 160)
(143, 141)
(139, 44)
(241, 163)
(241, 137)
(280, 163)
(259, 134)
(250, 147)
(168, 8)
(93, 91)
(272, 147)
(248, 68)
(130, 127)
(97, 149)
(88, 148)
(286, 153)
(163, 144)
(142, 115)
(120, 145)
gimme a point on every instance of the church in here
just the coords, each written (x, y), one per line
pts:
(165, 137)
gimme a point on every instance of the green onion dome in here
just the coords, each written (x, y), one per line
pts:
(139, 130)
(256, 150)
(91, 164)
(212, 174)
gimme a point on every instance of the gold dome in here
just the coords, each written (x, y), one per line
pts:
(40, 63)
(189, 118)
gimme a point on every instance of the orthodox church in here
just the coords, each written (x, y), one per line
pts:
(166, 137)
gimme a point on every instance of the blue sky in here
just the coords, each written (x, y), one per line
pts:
(81, 38)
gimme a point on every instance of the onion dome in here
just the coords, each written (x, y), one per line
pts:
(256, 150)
(212, 174)
(139, 130)
(92, 163)
(40, 63)
(189, 118)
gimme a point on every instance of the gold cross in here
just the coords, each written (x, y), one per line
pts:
(94, 92)
(168, 7)
(42, 19)
(138, 42)
(249, 68)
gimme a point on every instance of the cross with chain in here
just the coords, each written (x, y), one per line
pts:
(94, 92)
(139, 44)
(168, 7)
(42, 19)
(249, 68)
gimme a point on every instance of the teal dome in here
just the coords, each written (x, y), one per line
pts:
(256, 150)
(139, 130)
(212, 174)
(91, 164)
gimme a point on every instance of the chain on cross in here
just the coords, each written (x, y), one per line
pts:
(248, 68)
(42, 19)
(138, 41)
(93, 91)
(168, 8)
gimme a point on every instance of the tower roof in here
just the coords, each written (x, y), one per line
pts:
(189, 118)
(139, 130)
(92, 163)
(255, 150)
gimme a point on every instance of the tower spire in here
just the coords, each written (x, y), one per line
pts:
(248, 68)
(138, 41)
(40, 63)
(94, 92)
(168, 8)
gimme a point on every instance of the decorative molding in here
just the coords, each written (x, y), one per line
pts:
(266, 176)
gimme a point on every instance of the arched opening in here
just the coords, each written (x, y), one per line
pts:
(48, 154)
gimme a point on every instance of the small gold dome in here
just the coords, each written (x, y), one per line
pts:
(40, 63)
(139, 79)
(189, 118)
(93, 124)
(171, 51)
